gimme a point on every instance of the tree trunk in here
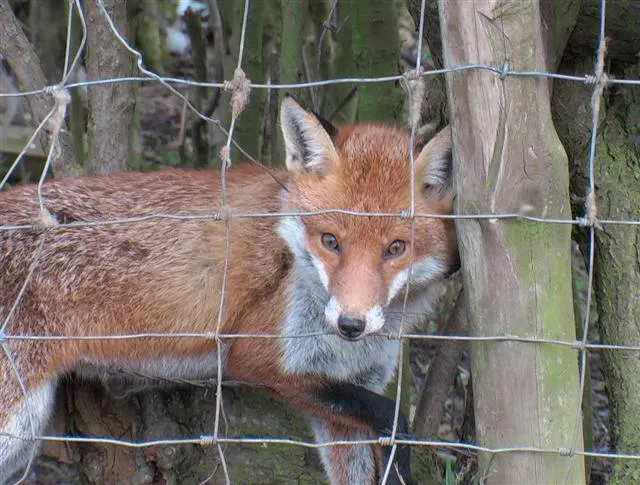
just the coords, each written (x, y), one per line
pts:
(517, 275)
(249, 126)
(622, 29)
(48, 24)
(180, 413)
(616, 257)
(344, 106)
(290, 69)
(111, 106)
(374, 49)
(617, 264)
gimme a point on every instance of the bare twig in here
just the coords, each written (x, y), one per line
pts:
(307, 75)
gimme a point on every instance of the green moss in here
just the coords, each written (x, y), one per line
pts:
(374, 51)
(550, 305)
(425, 468)
(249, 127)
(617, 276)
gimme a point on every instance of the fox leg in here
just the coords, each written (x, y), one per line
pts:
(378, 412)
(345, 464)
(25, 406)
(342, 411)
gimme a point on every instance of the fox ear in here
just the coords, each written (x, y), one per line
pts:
(307, 139)
(434, 167)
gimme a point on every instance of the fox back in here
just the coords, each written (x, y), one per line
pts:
(137, 253)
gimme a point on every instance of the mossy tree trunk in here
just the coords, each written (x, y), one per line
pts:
(616, 250)
(249, 127)
(87, 409)
(290, 69)
(622, 30)
(374, 51)
(341, 104)
(517, 275)
(617, 264)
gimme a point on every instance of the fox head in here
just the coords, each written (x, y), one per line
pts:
(363, 261)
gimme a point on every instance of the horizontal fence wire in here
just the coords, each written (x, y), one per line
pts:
(598, 79)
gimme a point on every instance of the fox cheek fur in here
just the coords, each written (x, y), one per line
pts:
(363, 168)
(337, 276)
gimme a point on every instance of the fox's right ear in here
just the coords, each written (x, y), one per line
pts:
(307, 143)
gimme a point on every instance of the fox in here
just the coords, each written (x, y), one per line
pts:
(300, 262)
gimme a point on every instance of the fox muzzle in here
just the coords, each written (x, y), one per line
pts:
(350, 328)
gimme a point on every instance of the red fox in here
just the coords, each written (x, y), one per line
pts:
(337, 274)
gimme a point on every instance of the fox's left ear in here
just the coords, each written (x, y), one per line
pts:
(434, 167)
(307, 139)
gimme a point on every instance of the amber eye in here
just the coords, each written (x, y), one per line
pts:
(395, 249)
(330, 242)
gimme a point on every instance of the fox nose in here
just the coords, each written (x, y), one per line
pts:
(350, 328)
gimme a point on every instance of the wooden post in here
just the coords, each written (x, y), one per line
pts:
(517, 274)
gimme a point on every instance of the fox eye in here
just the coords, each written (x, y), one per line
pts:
(330, 242)
(395, 249)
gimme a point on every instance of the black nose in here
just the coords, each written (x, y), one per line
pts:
(350, 328)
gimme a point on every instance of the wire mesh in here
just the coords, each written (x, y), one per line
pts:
(53, 122)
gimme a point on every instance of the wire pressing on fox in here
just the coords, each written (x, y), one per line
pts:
(338, 274)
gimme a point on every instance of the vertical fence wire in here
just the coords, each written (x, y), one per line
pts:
(590, 217)
(226, 162)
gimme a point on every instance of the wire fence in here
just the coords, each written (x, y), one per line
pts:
(239, 86)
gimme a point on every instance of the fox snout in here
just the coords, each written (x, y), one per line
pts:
(350, 328)
(351, 324)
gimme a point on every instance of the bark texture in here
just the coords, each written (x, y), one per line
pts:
(111, 106)
(374, 50)
(517, 275)
(617, 264)
(622, 30)
(250, 124)
(86, 409)
(575, 21)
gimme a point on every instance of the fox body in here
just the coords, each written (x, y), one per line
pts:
(339, 275)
